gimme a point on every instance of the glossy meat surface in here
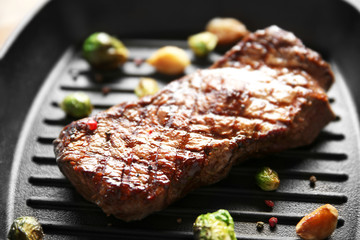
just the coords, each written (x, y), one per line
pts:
(144, 155)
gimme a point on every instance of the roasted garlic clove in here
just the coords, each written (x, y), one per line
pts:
(319, 224)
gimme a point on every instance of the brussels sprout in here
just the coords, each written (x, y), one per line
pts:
(218, 225)
(146, 86)
(77, 105)
(202, 43)
(103, 51)
(26, 228)
(267, 179)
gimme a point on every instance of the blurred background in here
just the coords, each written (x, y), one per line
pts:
(12, 12)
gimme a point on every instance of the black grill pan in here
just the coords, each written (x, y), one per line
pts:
(42, 63)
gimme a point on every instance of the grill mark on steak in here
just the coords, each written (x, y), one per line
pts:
(184, 139)
(265, 95)
(152, 175)
(142, 115)
(152, 171)
(237, 110)
(154, 165)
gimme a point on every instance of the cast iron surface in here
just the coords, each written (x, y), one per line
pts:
(44, 64)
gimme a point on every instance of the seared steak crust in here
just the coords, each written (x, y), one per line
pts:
(278, 49)
(265, 95)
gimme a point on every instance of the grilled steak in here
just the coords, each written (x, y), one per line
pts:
(265, 95)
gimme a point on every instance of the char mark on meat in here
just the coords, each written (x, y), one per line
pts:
(265, 95)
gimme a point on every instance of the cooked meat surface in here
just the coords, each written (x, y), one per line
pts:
(265, 95)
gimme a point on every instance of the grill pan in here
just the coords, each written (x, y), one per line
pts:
(42, 63)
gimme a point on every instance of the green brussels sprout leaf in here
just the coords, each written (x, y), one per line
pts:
(26, 228)
(218, 225)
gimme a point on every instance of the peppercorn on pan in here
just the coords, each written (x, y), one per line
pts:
(42, 63)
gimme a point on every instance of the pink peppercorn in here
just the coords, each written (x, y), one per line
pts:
(138, 61)
(273, 221)
(269, 203)
(91, 124)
